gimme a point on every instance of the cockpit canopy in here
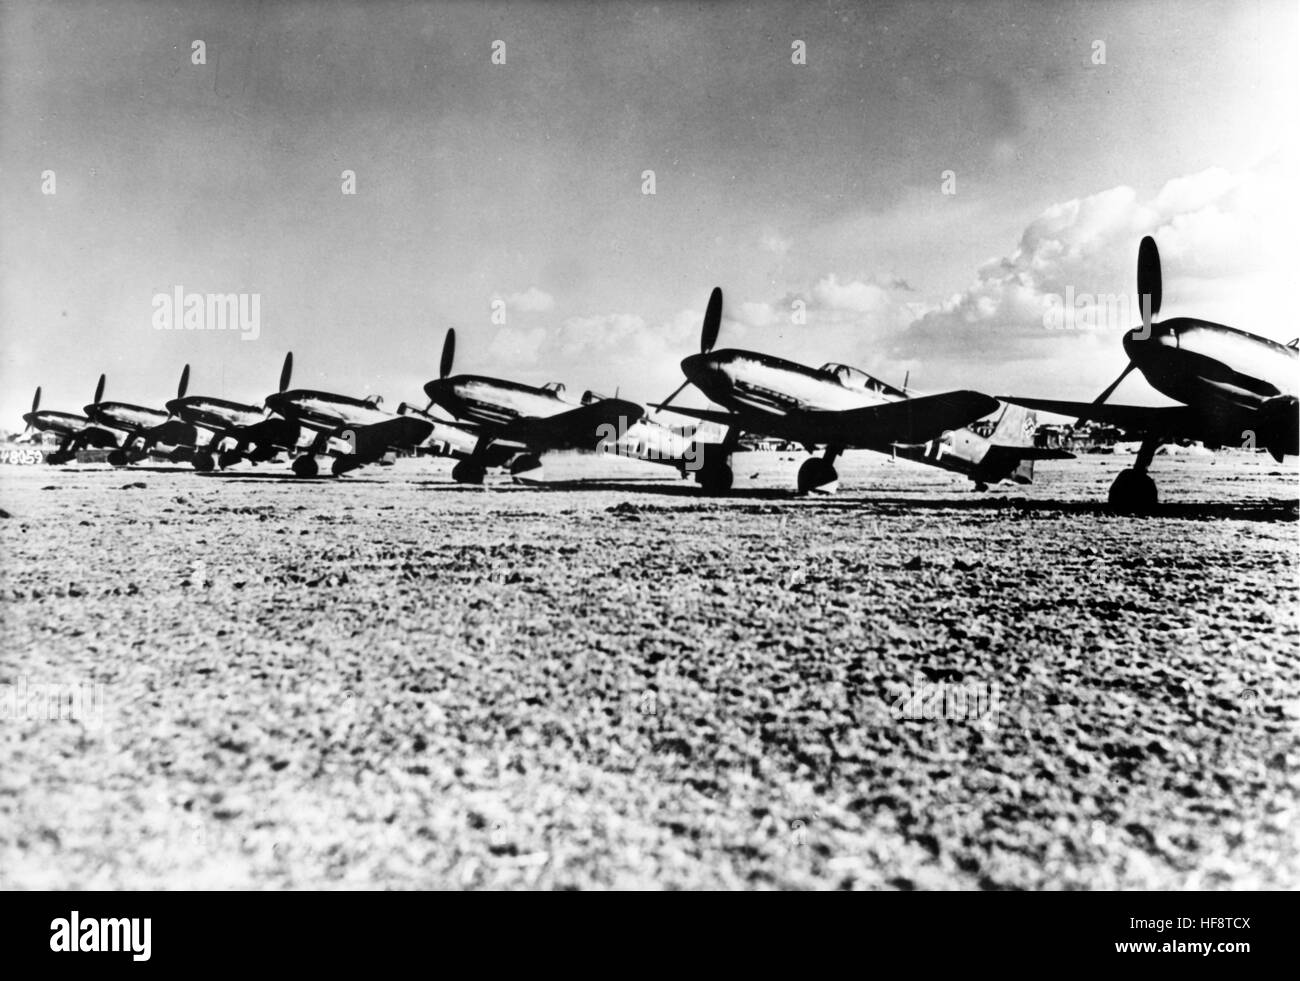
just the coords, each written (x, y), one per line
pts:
(374, 401)
(851, 377)
(556, 387)
(588, 397)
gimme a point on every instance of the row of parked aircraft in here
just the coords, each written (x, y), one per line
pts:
(1233, 388)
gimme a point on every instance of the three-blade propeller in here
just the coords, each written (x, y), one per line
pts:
(286, 373)
(36, 404)
(1150, 291)
(448, 359)
(708, 338)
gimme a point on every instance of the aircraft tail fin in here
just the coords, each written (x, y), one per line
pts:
(1015, 427)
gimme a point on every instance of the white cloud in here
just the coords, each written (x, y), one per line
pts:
(851, 297)
(772, 241)
(1213, 228)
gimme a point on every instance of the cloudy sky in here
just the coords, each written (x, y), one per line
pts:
(816, 186)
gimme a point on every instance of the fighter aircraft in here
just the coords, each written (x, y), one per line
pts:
(244, 425)
(354, 431)
(77, 431)
(1235, 388)
(505, 423)
(144, 429)
(833, 406)
(988, 451)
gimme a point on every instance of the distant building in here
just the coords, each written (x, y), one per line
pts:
(1088, 437)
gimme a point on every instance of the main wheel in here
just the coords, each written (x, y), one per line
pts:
(716, 479)
(817, 475)
(525, 463)
(305, 466)
(1133, 493)
(118, 458)
(465, 472)
(203, 462)
(229, 458)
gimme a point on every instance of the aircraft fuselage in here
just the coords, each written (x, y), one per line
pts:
(747, 382)
(61, 423)
(325, 409)
(214, 413)
(493, 401)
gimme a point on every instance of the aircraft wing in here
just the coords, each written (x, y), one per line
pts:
(1176, 421)
(581, 428)
(915, 420)
(720, 416)
(376, 438)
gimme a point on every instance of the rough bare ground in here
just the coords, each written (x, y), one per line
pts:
(390, 680)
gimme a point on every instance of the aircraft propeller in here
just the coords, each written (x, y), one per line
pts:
(99, 390)
(184, 383)
(286, 373)
(1150, 291)
(36, 404)
(712, 321)
(708, 337)
(448, 358)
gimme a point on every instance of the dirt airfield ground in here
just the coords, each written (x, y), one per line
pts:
(393, 681)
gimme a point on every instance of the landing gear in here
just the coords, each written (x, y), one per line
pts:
(466, 472)
(525, 463)
(305, 466)
(715, 475)
(1134, 492)
(229, 458)
(716, 478)
(348, 463)
(203, 462)
(819, 474)
(119, 458)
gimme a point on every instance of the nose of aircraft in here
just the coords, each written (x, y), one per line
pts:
(1139, 345)
(706, 372)
(275, 402)
(439, 391)
(173, 406)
